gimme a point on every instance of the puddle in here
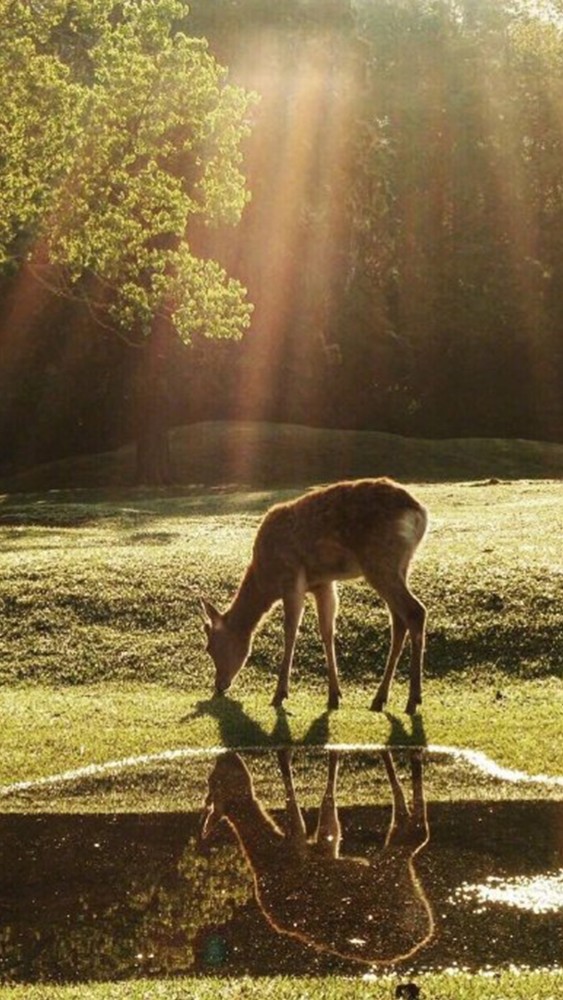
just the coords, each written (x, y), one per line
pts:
(314, 863)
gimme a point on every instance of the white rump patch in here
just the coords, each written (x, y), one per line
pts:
(412, 526)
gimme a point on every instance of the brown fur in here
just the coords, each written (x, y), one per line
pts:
(368, 527)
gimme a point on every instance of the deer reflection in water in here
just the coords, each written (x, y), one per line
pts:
(367, 909)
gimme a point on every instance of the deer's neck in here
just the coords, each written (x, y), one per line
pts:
(249, 605)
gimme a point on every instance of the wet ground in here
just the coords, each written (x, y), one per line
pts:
(311, 862)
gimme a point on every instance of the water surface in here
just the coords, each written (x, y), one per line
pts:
(282, 870)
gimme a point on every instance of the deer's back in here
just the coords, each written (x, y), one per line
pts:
(327, 531)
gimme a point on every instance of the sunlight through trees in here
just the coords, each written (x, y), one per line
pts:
(120, 129)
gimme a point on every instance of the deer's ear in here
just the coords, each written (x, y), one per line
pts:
(210, 612)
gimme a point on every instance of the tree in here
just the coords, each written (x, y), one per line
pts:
(454, 204)
(121, 135)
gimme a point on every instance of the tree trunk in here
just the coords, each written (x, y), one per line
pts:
(154, 460)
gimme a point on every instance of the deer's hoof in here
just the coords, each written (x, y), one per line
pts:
(413, 704)
(334, 700)
(378, 704)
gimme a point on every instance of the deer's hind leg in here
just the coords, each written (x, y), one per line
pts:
(407, 826)
(398, 635)
(400, 815)
(419, 812)
(407, 615)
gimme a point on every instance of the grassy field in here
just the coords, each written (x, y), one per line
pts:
(102, 652)
(506, 986)
(102, 646)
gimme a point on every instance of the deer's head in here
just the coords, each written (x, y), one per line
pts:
(227, 648)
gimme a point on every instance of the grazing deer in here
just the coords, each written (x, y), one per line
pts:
(370, 910)
(369, 528)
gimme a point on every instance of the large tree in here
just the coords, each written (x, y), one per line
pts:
(119, 133)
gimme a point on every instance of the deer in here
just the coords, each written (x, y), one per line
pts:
(370, 910)
(367, 528)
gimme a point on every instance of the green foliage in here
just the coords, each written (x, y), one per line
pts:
(41, 108)
(133, 905)
(120, 130)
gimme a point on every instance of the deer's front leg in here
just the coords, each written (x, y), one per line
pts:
(326, 597)
(293, 601)
(329, 832)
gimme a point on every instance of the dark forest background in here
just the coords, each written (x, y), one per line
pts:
(403, 248)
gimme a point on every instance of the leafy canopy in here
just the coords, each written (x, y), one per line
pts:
(116, 130)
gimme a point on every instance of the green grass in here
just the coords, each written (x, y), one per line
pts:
(101, 651)
(47, 731)
(505, 986)
(101, 646)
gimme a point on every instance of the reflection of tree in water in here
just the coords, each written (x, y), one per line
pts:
(187, 901)
(102, 898)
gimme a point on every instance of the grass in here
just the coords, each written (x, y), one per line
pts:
(101, 652)
(47, 731)
(100, 624)
(504, 986)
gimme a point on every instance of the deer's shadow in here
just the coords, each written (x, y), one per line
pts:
(237, 728)
(399, 734)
